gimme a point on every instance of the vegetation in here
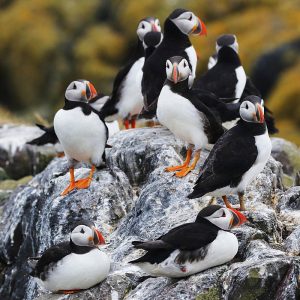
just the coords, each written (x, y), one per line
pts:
(44, 44)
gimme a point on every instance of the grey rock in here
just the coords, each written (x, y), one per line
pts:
(132, 199)
(288, 154)
(19, 159)
(292, 242)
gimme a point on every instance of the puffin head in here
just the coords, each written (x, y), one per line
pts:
(152, 39)
(252, 109)
(86, 234)
(80, 90)
(147, 25)
(227, 40)
(187, 22)
(178, 69)
(222, 217)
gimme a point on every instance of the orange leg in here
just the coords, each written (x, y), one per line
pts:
(227, 203)
(60, 154)
(126, 123)
(85, 182)
(132, 122)
(67, 292)
(71, 186)
(188, 169)
(185, 163)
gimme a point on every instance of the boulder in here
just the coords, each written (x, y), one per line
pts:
(133, 198)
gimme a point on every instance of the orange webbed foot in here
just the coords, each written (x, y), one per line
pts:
(69, 189)
(83, 183)
(174, 168)
(184, 172)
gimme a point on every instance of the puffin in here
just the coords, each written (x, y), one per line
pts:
(227, 79)
(49, 136)
(127, 99)
(151, 41)
(177, 28)
(81, 131)
(184, 114)
(74, 265)
(193, 247)
(238, 156)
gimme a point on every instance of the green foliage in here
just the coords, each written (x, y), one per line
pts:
(44, 44)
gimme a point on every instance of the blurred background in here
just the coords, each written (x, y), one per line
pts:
(45, 44)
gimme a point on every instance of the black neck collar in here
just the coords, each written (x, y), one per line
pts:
(178, 88)
(139, 50)
(252, 128)
(80, 249)
(228, 55)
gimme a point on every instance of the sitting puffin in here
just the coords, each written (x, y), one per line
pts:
(184, 114)
(238, 156)
(227, 79)
(127, 99)
(178, 26)
(75, 265)
(81, 131)
(193, 247)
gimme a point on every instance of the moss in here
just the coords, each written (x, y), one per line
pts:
(211, 294)
(287, 181)
(10, 184)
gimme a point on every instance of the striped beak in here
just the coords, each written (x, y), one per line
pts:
(260, 113)
(154, 27)
(90, 91)
(175, 72)
(199, 28)
(237, 218)
(98, 237)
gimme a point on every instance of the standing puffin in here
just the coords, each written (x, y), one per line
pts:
(127, 99)
(75, 265)
(177, 28)
(193, 247)
(182, 112)
(227, 79)
(238, 156)
(81, 131)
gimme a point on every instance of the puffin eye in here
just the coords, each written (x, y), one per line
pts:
(184, 65)
(247, 106)
(143, 26)
(167, 65)
(224, 214)
(190, 18)
(82, 231)
(74, 87)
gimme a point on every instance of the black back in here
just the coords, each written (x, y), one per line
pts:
(233, 155)
(154, 70)
(109, 108)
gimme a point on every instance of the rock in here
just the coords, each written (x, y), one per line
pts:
(289, 207)
(133, 198)
(288, 154)
(292, 242)
(265, 274)
(19, 159)
(3, 174)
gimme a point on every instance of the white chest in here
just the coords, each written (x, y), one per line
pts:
(181, 117)
(83, 137)
(240, 86)
(264, 147)
(131, 99)
(78, 271)
(192, 55)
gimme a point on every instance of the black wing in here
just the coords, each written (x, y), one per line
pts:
(109, 108)
(48, 137)
(213, 128)
(51, 255)
(233, 155)
(220, 79)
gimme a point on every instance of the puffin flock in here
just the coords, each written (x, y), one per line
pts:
(221, 107)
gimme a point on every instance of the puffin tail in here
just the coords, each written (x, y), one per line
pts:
(48, 137)
(196, 193)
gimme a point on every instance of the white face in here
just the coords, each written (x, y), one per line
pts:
(177, 72)
(80, 91)
(188, 23)
(82, 235)
(250, 112)
(146, 26)
(221, 218)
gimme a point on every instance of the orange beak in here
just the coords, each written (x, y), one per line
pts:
(175, 73)
(98, 238)
(238, 217)
(199, 28)
(260, 113)
(154, 27)
(90, 91)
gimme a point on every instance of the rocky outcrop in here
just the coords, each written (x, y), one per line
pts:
(133, 198)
